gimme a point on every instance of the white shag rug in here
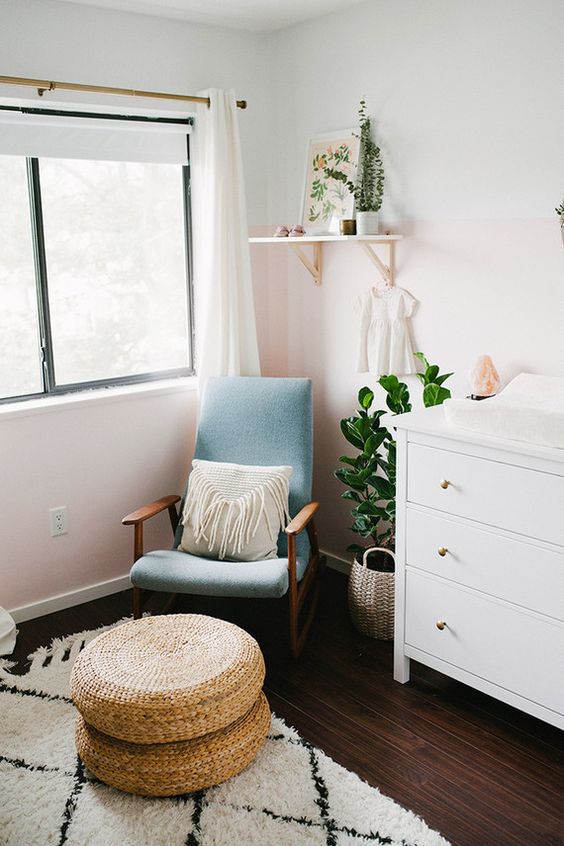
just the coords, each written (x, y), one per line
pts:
(292, 794)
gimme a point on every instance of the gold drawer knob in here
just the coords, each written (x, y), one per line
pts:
(444, 483)
(442, 550)
(440, 624)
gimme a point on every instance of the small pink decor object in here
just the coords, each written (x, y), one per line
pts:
(484, 378)
(281, 232)
(297, 231)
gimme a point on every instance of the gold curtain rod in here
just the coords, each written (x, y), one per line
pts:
(43, 85)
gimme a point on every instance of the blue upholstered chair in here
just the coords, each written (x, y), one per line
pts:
(245, 420)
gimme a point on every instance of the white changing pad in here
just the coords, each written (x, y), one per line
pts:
(530, 408)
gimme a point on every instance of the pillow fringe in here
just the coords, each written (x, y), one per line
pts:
(205, 507)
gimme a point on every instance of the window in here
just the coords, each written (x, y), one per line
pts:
(95, 284)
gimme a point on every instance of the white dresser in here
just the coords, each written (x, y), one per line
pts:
(480, 562)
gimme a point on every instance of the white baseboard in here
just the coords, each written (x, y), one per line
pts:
(68, 600)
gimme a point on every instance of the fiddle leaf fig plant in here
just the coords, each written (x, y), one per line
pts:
(367, 473)
(370, 474)
(432, 381)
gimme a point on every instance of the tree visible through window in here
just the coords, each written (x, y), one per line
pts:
(109, 299)
(20, 369)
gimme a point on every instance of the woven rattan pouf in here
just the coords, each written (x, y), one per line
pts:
(169, 704)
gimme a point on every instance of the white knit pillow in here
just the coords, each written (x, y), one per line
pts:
(234, 511)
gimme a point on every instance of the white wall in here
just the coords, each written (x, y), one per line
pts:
(104, 460)
(467, 101)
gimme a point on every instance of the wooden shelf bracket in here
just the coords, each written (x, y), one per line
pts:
(387, 272)
(314, 267)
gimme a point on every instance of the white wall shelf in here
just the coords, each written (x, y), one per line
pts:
(367, 242)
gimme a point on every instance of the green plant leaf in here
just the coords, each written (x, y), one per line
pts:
(434, 395)
(367, 507)
(351, 433)
(385, 489)
(432, 372)
(363, 426)
(398, 400)
(362, 527)
(351, 495)
(373, 442)
(389, 383)
(364, 474)
(345, 459)
(440, 379)
(344, 475)
(365, 397)
(349, 478)
(430, 395)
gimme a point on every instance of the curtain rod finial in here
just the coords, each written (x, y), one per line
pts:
(242, 104)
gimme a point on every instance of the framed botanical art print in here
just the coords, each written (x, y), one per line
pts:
(326, 200)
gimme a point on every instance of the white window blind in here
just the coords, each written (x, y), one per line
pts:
(93, 138)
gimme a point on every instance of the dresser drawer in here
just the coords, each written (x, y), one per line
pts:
(511, 648)
(511, 569)
(529, 502)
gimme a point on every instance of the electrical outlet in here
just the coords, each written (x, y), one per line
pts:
(58, 518)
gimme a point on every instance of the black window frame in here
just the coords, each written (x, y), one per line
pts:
(45, 351)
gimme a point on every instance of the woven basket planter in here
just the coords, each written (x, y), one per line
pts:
(371, 598)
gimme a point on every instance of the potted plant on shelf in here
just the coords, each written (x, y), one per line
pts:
(368, 188)
(560, 212)
(370, 477)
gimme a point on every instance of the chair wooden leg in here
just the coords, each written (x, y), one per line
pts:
(169, 603)
(137, 596)
(297, 597)
(294, 636)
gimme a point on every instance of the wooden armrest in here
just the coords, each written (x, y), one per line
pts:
(150, 510)
(301, 520)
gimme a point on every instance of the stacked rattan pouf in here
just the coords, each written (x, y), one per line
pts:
(169, 704)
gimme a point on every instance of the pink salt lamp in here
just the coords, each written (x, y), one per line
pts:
(484, 378)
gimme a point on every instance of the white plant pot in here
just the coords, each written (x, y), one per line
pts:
(366, 223)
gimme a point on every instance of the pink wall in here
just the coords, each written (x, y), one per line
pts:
(482, 287)
(102, 458)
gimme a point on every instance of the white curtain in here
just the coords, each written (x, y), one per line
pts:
(226, 337)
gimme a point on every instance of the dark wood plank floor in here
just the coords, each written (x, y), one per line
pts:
(481, 772)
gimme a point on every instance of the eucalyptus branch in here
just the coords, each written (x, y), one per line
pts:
(368, 190)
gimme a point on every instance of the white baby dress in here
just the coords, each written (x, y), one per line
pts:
(384, 340)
